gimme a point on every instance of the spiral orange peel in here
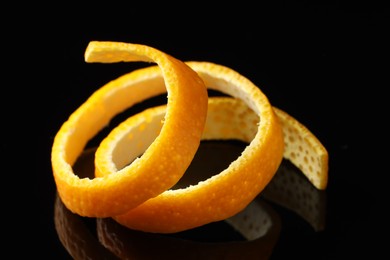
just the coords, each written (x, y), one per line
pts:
(138, 163)
(117, 193)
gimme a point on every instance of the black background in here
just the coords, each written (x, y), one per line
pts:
(324, 63)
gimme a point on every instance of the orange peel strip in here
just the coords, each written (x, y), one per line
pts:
(227, 119)
(141, 199)
(304, 150)
(117, 193)
(223, 195)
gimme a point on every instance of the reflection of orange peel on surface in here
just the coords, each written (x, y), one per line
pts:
(258, 223)
(74, 235)
(135, 191)
(290, 189)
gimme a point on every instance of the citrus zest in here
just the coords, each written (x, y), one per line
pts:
(304, 150)
(224, 194)
(227, 119)
(117, 193)
(141, 159)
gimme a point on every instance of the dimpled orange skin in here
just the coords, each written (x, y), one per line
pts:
(122, 185)
(230, 191)
(116, 193)
(227, 119)
(304, 149)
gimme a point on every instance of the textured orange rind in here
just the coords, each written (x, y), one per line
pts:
(227, 119)
(226, 193)
(142, 158)
(304, 149)
(118, 192)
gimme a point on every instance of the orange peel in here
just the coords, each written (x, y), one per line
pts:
(222, 195)
(304, 150)
(136, 165)
(174, 210)
(117, 193)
